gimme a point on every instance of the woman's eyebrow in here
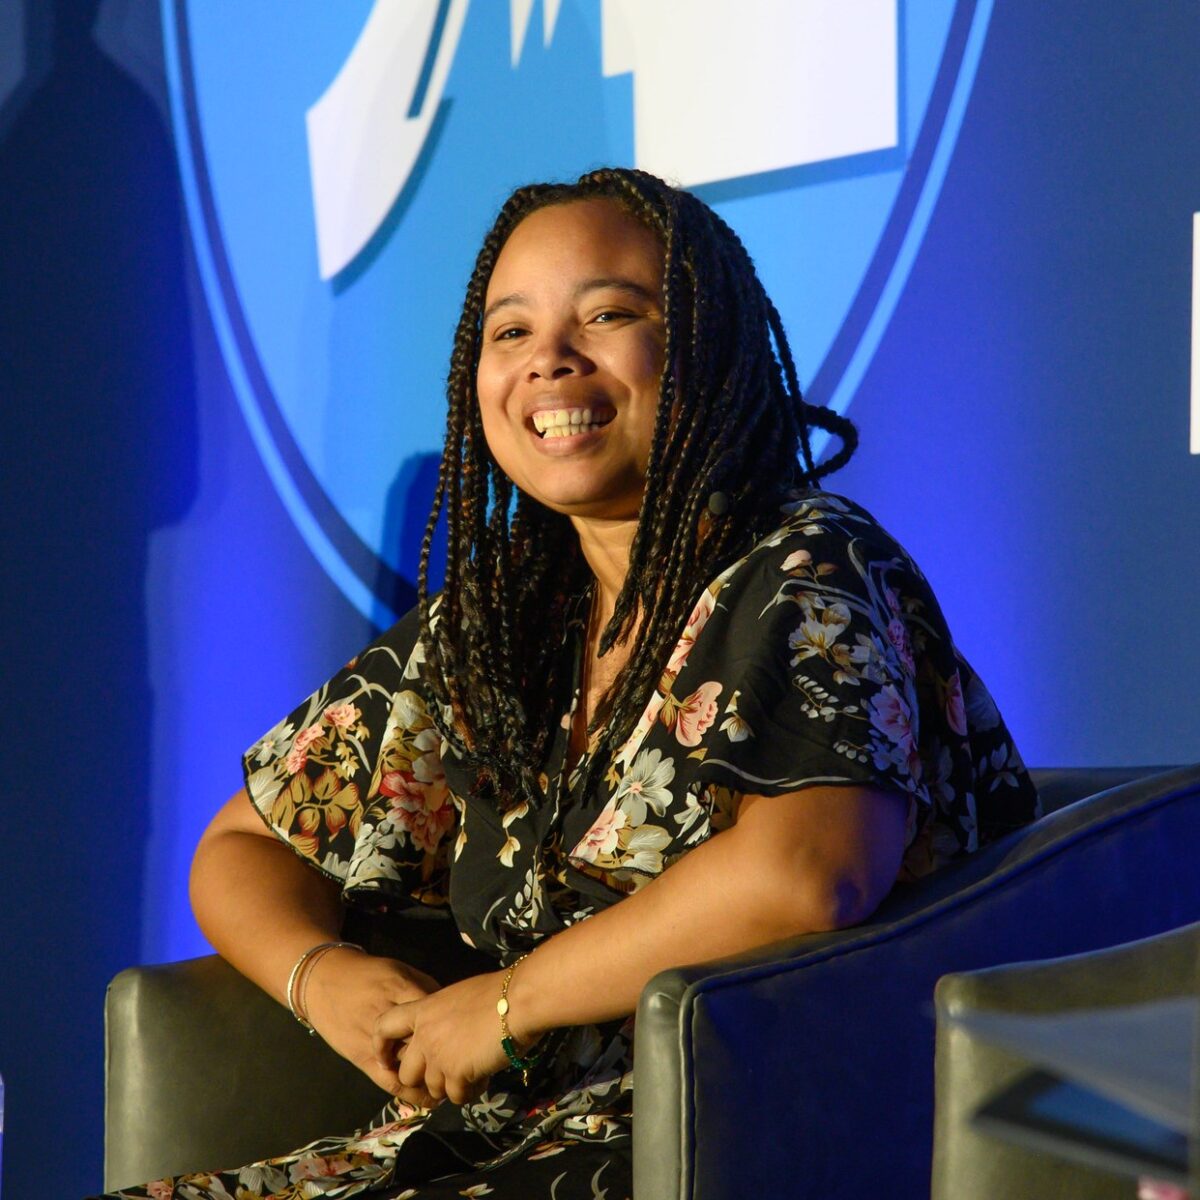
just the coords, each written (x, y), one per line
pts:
(617, 283)
(504, 302)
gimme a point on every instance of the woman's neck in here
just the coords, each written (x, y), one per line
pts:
(606, 546)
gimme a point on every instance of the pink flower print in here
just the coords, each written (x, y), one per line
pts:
(697, 713)
(341, 716)
(796, 560)
(160, 1189)
(306, 737)
(319, 1166)
(298, 754)
(956, 711)
(893, 601)
(691, 631)
(601, 839)
(898, 635)
(645, 723)
(891, 715)
(423, 812)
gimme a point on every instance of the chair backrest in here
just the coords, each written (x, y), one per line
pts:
(840, 1023)
(968, 1164)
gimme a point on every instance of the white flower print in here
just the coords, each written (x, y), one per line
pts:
(647, 782)
(644, 852)
(734, 727)
(601, 839)
(820, 629)
(274, 744)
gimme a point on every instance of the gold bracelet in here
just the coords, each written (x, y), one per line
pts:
(309, 956)
(507, 1042)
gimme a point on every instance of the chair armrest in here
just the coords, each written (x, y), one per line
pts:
(969, 1070)
(190, 1047)
(813, 1057)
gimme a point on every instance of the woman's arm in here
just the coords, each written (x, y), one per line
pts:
(805, 862)
(262, 907)
(812, 860)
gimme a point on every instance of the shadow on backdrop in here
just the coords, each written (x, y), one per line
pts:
(98, 445)
(406, 513)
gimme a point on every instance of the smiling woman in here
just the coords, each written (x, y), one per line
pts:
(570, 366)
(674, 701)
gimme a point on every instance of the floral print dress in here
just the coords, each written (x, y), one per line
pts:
(819, 658)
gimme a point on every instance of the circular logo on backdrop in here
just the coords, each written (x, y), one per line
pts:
(342, 162)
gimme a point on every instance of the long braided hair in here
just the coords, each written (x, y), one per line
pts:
(730, 416)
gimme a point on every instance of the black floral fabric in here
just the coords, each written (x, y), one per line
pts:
(820, 657)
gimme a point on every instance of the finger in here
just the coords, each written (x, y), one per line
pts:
(435, 1085)
(392, 1028)
(381, 1076)
(457, 1091)
(395, 1023)
(386, 1052)
(417, 1096)
(412, 1068)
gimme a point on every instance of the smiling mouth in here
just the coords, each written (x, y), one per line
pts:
(570, 422)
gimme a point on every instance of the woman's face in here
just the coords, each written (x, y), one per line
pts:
(572, 356)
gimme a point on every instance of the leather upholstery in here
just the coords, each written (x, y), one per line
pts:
(972, 1166)
(799, 1069)
(805, 1068)
(204, 1070)
(193, 1074)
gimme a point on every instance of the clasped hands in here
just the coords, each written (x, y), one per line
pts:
(445, 1045)
(419, 1041)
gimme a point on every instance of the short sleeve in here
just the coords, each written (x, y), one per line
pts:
(352, 779)
(817, 666)
(835, 665)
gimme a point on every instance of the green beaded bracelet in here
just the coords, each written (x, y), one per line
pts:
(507, 1042)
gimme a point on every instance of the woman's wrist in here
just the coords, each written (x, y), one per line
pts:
(524, 1020)
(301, 976)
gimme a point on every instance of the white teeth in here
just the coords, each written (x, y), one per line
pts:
(562, 431)
(561, 422)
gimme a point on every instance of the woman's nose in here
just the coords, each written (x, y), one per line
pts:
(555, 355)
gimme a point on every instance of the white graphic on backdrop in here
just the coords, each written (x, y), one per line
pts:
(1195, 447)
(733, 90)
(520, 11)
(738, 89)
(362, 146)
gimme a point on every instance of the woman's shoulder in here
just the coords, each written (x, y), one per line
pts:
(396, 653)
(820, 535)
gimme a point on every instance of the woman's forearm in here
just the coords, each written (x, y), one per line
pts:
(257, 902)
(823, 864)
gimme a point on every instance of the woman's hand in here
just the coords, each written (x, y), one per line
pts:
(447, 1044)
(346, 991)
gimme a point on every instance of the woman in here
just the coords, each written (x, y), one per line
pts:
(658, 646)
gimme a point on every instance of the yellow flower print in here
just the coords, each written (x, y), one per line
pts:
(506, 852)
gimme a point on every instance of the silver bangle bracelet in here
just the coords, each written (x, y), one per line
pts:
(297, 1010)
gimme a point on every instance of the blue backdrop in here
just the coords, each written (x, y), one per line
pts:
(217, 451)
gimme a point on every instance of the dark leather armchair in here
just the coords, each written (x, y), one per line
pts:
(969, 1165)
(801, 1069)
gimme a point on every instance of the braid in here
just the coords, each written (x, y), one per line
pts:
(730, 414)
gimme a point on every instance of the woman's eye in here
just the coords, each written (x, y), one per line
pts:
(609, 315)
(510, 334)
